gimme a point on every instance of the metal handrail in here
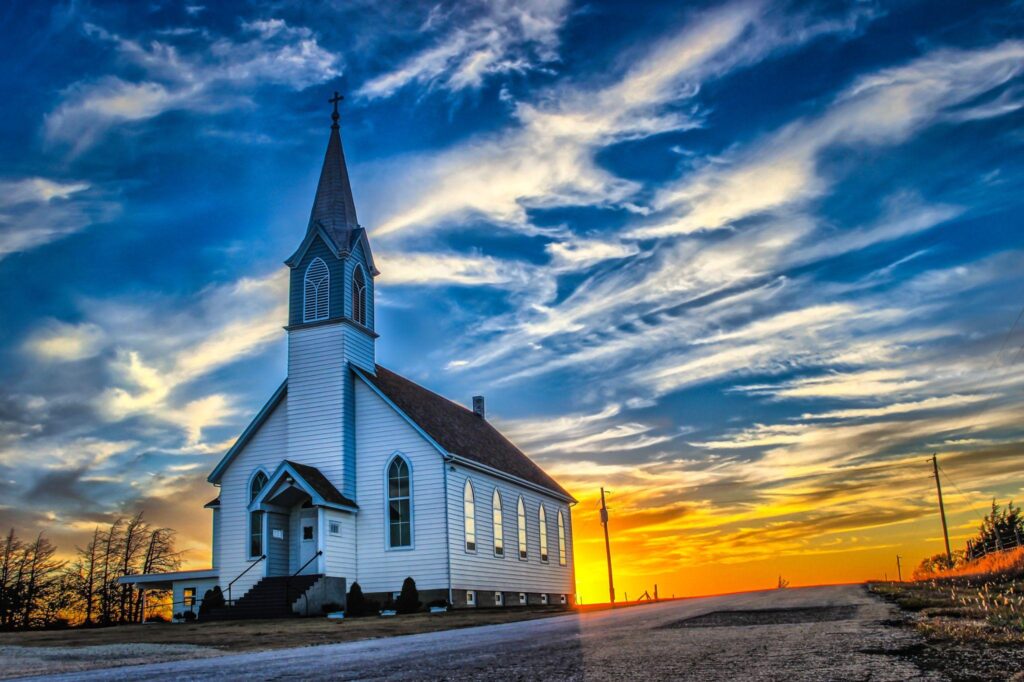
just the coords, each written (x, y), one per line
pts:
(249, 568)
(288, 582)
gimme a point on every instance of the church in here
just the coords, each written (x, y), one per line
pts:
(353, 473)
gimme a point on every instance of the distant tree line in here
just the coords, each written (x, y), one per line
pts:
(37, 590)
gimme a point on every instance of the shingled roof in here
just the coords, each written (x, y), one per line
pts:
(318, 482)
(460, 431)
(334, 209)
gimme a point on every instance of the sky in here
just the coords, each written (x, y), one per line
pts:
(745, 264)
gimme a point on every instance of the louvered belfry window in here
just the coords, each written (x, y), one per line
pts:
(316, 295)
(359, 296)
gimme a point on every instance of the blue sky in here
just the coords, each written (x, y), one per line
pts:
(746, 263)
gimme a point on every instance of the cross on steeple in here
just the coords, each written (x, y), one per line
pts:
(334, 100)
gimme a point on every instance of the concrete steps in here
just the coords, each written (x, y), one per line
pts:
(271, 597)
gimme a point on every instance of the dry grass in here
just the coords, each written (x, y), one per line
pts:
(982, 601)
(1009, 564)
(45, 652)
(251, 635)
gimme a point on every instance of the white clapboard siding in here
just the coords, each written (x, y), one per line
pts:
(340, 550)
(380, 432)
(264, 450)
(482, 570)
(317, 374)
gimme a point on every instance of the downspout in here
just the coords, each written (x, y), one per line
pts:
(447, 534)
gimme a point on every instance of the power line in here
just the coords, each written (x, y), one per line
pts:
(1006, 338)
(950, 479)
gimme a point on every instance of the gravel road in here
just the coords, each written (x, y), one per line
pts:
(833, 633)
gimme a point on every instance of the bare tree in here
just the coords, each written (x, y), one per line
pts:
(133, 544)
(9, 560)
(111, 540)
(40, 575)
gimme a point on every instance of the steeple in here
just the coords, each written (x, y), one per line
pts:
(333, 207)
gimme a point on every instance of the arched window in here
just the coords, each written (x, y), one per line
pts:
(316, 296)
(521, 516)
(359, 296)
(399, 504)
(543, 517)
(469, 514)
(496, 522)
(256, 517)
(561, 539)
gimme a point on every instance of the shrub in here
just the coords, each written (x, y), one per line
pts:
(213, 599)
(438, 602)
(330, 607)
(356, 605)
(409, 599)
(188, 616)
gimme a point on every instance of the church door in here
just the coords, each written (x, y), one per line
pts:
(308, 540)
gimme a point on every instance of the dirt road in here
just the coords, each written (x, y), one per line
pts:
(834, 633)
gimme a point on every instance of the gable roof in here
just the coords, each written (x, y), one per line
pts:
(319, 483)
(307, 478)
(458, 430)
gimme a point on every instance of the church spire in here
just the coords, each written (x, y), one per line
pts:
(333, 207)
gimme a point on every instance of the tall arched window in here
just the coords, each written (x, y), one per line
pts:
(543, 517)
(561, 539)
(316, 292)
(399, 504)
(256, 517)
(359, 296)
(521, 517)
(497, 524)
(469, 514)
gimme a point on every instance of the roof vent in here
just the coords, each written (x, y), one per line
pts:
(478, 406)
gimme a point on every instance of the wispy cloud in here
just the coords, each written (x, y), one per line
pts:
(502, 37)
(207, 77)
(35, 211)
(885, 108)
(547, 159)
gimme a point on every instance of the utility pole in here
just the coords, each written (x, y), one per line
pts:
(899, 569)
(607, 549)
(942, 509)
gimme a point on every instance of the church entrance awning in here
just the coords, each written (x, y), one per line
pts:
(293, 483)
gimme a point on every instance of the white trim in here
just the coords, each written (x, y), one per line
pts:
(542, 523)
(248, 515)
(321, 282)
(398, 454)
(497, 524)
(465, 517)
(522, 531)
(143, 578)
(498, 473)
(562, 553)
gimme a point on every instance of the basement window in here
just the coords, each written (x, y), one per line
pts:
(522, 597)
(470, 598)
(544, 599)
(499, 599)
(564, 600)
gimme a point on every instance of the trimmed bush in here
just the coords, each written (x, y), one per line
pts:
(356, 604)
(213, 599)
(409, 599)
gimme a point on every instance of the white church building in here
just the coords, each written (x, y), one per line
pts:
(353, 473)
